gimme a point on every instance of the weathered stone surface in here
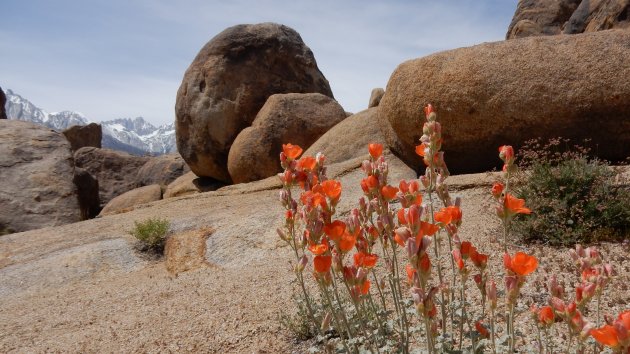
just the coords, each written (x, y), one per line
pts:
(128, 200)
(162, 170)
(551, 17)
(349, 138)
(3, 100)
(87, 189)
(186, 250)
(296, 118)
(227, 84)
(84, 135)
(375, 97)
(508, 92)
(115, 171)
(36, 170)
(189, 183)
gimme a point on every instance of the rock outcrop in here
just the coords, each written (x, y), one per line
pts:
(285, 118)
(551, 17)
(191, 184)
(36, 170)
(227, 84)
(128, 200)
(349, 139)
(87, 189)
(3, 101)
(161, 170)
(84, 135)
(375, 97)
(115, 171)
(511, 91)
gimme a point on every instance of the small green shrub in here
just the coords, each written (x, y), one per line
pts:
(151, 233)
(574, 197)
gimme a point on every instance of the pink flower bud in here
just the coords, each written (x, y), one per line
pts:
(609, 270)
(302, 264)
(425, 181)
(281, 234)
(558, 305)
(491, 291)
(412, 247)
(579, 250)
(320, 158)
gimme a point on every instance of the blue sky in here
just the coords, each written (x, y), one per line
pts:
(126, 58)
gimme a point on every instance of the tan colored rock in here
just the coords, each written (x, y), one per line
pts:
(190, 183)
(349, 138)
(115, 171)
(296, 118)
(375, 97)
(84, 135)
(162, 170)
(36, 170)
(227, 84)
(186, 250)
(508, 92)
(551, 17)
(128, 200)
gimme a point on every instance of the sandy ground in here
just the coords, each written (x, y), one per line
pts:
(82, 287)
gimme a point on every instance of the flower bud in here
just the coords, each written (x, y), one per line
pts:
(302, 263)
(281, 234)
(320, 159)
(491, 291)
(326, 322)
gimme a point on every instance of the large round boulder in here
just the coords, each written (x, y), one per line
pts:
(129, 199)
(227, 84)
(511, 91)
(294, 118)
(349, 139)
(161, 170)
(115, 171)
(84, 135)
(550, 17)
(36, 170)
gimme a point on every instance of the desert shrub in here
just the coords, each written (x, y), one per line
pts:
(574, 197)
(151, 233)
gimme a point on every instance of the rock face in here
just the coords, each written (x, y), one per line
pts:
(550, 17)
(84, 135)
(349, 139)
(36, 170)
(508, 92)
(375, 97)
(3, 101)
(115, 171)
(285, 118)
(191, 184)
(132, 198)
(227, 84)
(87, 188)
(161, 170)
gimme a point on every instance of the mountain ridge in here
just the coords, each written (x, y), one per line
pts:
(135, 136)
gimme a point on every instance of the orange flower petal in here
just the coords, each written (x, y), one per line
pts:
(322, 263)
(365, 288)
(375, 150)
(291, 151)
(307, 163)
(389, 192)
(347, 242)
(420, 149)
(443, 216)
(523, 264)
(428, 229)
(606, 335)
(545, 315)
(401, 216)
(318, 249)
(332, 189)
(335, 230)
(515, 205)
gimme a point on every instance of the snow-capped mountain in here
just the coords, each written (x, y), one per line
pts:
(135, 136)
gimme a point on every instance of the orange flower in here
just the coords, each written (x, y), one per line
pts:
(347, 242)
(457, 256)
(401, 216)
(335, 229)
(506, 153)
(515, 205)
(428, 229)
(420, 149)
(322, 263)
(624, 319)
(482, 329)
(410, 273)
(545, 315)
(389, 192)
(313, 199)
(497, 189)
(369, 183)
(365, 288)
(292, 151)
(375, 150)
(366, 260)
(425, 263)
(428, 109)
(332, 189)
(456, 213)
(318, 249)
(521, 264)
(443, 217)
(307, 163)
(606, 335)
(466, 248)
(479, 259)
